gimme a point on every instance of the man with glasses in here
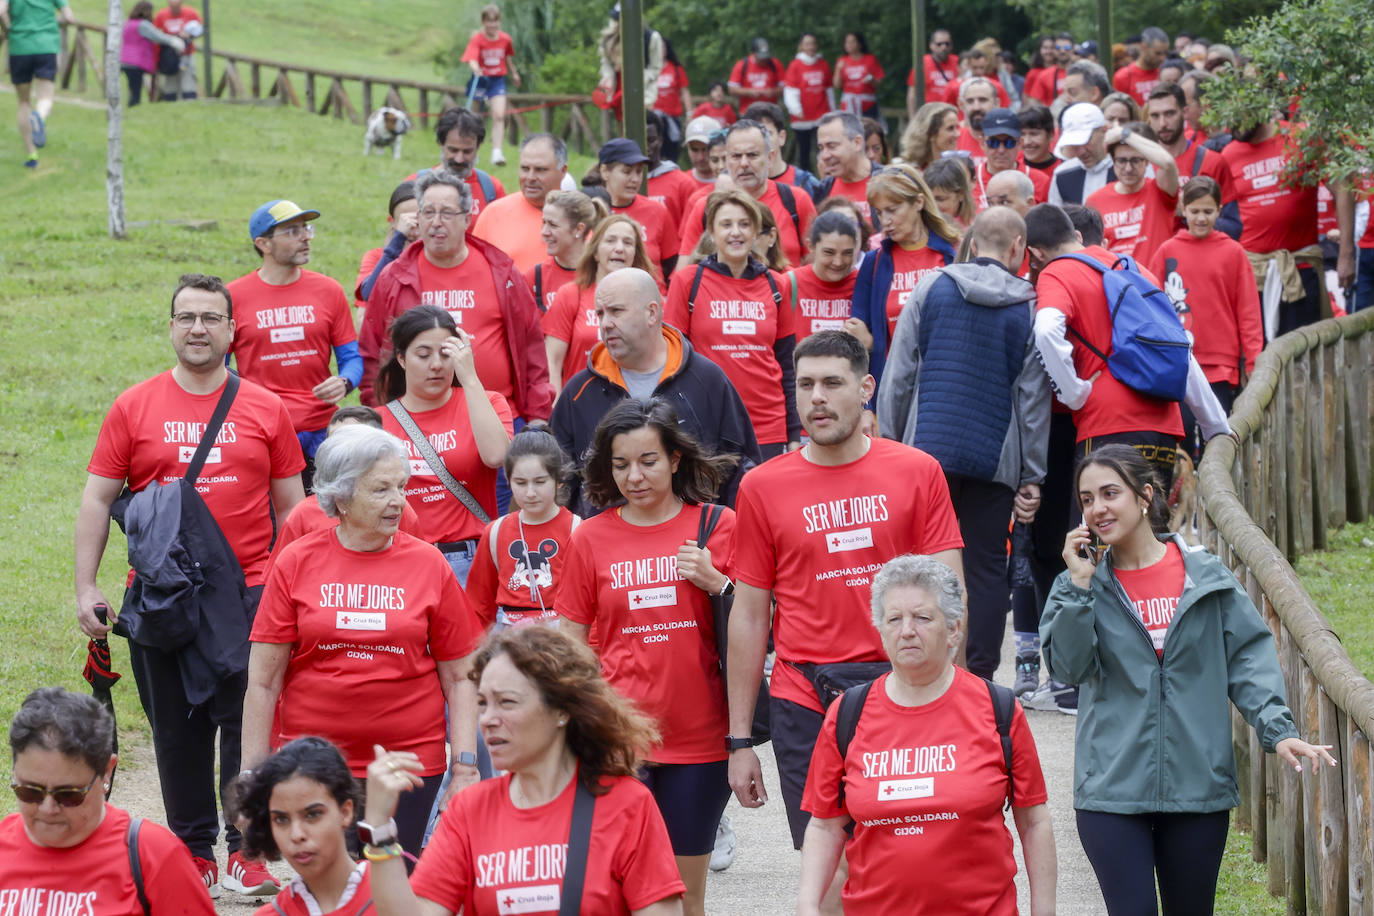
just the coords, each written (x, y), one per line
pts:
(941, 68)
(1001, 145)
(474, 281)
(1049, 81)
(252, 472)
(1137, 211)
(289, 321)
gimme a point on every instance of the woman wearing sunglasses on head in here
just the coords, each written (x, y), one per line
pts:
(67, 846)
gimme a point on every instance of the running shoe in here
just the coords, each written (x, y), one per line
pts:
(1027, 674)
(31, 163)
(498, 157)
(244, 876)
(1067, 701)
(40, 130)
(209, 873)
(1046, 697)
(723, 855)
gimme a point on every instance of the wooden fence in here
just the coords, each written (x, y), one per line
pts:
(1303, 466)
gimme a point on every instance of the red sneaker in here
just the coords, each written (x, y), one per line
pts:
(244, 876)
(209, 873)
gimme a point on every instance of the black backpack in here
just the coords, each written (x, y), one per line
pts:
(852, 707)
(168, 60)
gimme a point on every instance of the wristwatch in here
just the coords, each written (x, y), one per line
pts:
(466, 758)
(1126, 134)
(727, 589)
(384, 835)
(737, 744)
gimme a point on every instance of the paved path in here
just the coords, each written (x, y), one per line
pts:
(763, 880)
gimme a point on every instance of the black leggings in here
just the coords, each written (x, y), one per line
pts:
(1127, 851)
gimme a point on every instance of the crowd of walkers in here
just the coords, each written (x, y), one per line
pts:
(661, 465)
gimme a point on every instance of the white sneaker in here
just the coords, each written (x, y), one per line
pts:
(723, 855)
(1041, 698)
(498, 157)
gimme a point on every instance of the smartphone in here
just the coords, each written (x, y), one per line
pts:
(1093, 551)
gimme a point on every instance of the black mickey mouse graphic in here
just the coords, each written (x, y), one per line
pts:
(1177, 292)
(532, 568)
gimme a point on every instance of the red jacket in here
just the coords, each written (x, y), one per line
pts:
(398, 289)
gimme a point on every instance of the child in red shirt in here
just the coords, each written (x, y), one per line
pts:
(491, 54)
(717, 106)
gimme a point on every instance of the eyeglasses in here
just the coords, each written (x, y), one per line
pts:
(717, 136)
(1002, 142)
(1134, 162)
(1064, 47)
(304, 230)
(430, 214)
(187, 320)
(65, 796)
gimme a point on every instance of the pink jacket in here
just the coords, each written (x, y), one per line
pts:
(137, 51)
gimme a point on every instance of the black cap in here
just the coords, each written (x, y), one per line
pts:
(621, 149)
(1001, 122)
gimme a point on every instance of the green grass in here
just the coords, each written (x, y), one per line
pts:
(1341, 579)
(1241, 887)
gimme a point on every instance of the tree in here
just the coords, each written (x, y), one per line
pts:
(114, 127)
(1197, 17)
(1313, 60)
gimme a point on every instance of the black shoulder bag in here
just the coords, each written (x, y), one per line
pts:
(720, 612)
(579, 839)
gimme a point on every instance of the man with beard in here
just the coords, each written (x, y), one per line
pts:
(1141, 75)
(747, 149)
(513, 222)
(1083, 147)
(289, 319)
(812, 527)
(977, 96)
(459, 133)
(1164, 110)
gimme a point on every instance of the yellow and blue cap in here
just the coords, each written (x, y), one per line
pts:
(273, 213)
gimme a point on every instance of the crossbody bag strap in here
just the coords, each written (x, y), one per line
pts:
(579, 839)
(207, 441)
(136, 863)
(436, 464)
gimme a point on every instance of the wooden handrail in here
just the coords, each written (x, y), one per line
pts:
(1303, 465)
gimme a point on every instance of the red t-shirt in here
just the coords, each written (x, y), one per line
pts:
(788, 237)
(490, 858)
(307, 516)
(175, 23)
(1134, 224)
(748, 73)
(938, 76)
(927, 784)
(816, 534)
(365, 630)
(93, 877)
(489, 53)
(735, 323)
(552, 275)
(1326, 211)
(672, 79)
(1212, 286)
(1212, 165)
(151, 433)
(1041, 181)
(1045, 84)
(856, 191)
(442, 517)
(528, 568)
(672, 189)
(289, 903)
(1154, 592)
(820, 306)
(1276, 213)
(656, 630)
(1135, 82)
(284, 338)
(855, 74)
(468, 293)
(660, 232)
(572, 319)
(725, 114)
(1076, 290)
(811, 82)
(968, 143)
(909, 265)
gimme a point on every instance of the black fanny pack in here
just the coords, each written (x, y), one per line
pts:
(831, 680)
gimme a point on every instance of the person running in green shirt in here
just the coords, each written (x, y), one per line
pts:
(34, 44)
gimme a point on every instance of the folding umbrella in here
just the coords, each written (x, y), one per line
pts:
(101, 675)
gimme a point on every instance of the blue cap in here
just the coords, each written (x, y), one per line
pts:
(1001, 122)
(621, 149)
(272, 214)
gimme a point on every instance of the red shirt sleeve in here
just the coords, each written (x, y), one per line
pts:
(675, 310)
(170, 878)
(454, 631)
(111, 456)
(284, 450)
(444, 872)
(341, 331)
(1027, 776)
(691, 229)
(1244, 295)
(821, 798)
(737, 73)
(754, 556)
(482, 581)
(786, 319)
(576, 598)
(275, 621)
(473, 52)
(558, 320)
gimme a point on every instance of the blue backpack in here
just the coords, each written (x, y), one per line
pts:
(1149, 350)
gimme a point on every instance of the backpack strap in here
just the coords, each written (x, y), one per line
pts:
(1003, 706)
(136, 863)
(1101, 268)
(789, 200)
(1198, 155)
(579, 839)
(710, 517)
(495, 534)
(488, 187)
(207, 440)
(773, 285)
(692, 296)
(539, 288)
(826, 187)
(847, 721)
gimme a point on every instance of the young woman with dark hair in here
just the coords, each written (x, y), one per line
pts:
(638, 578)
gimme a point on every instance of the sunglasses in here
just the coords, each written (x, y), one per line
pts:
(65, 796)
(1001, 142)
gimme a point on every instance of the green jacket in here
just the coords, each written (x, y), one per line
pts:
(1155, 734)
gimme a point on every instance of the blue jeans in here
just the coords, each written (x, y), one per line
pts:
(460, 560)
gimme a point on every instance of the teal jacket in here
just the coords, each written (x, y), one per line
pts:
(1155, 734)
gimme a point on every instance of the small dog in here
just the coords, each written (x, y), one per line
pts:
(1183, 507)
(386, 127)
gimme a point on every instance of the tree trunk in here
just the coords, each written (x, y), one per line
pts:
(114, 127)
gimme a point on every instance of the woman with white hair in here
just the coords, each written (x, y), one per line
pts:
(363, 633)
(917, 763)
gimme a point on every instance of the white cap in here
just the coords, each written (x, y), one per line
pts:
(700, 130)
(1077, 126)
